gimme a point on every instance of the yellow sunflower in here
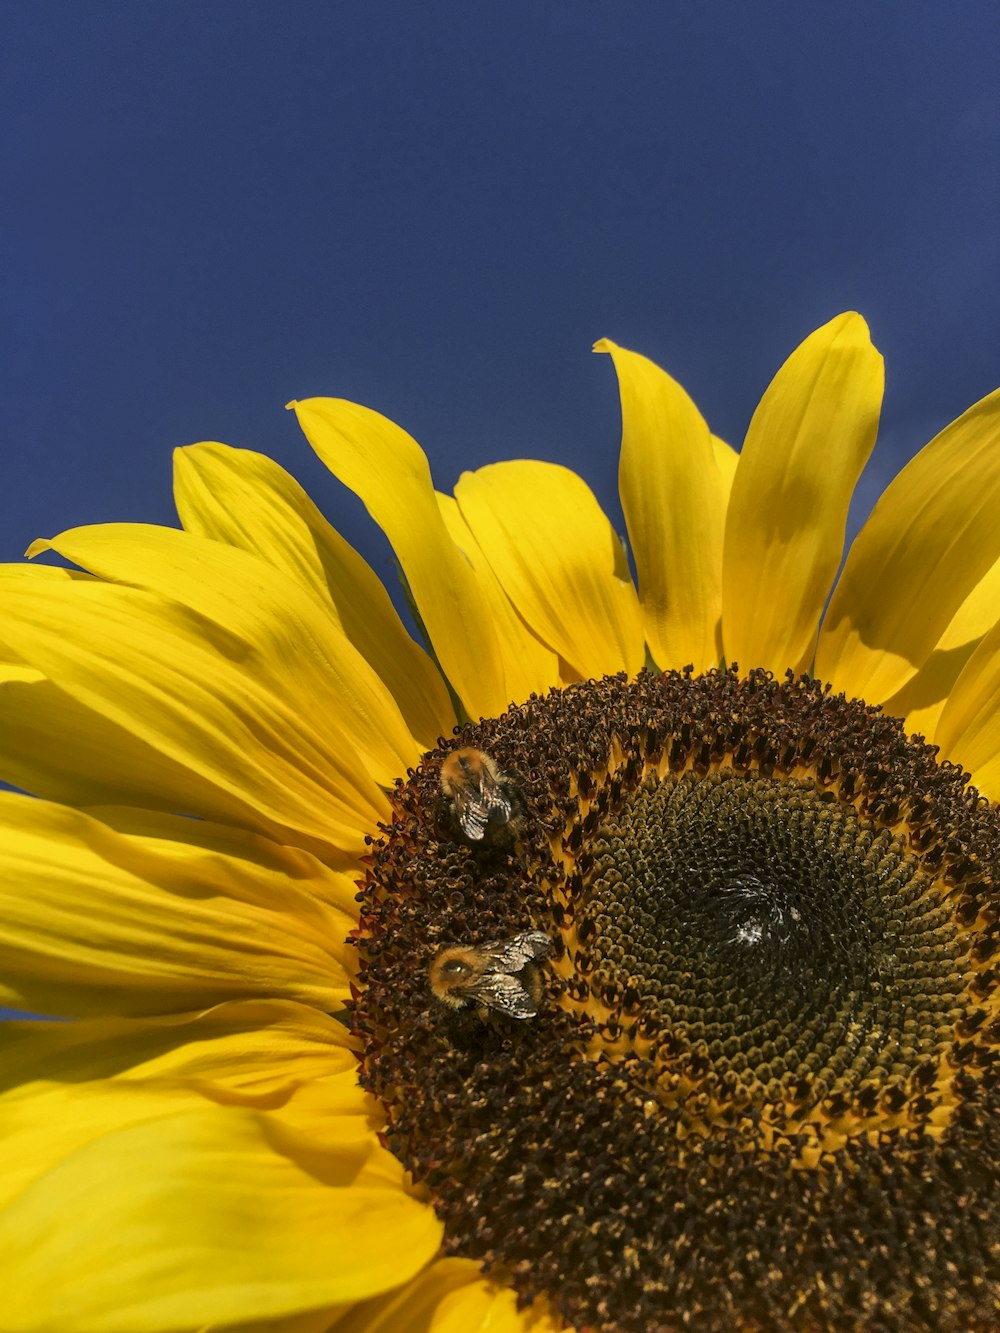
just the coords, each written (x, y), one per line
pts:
(623, 959)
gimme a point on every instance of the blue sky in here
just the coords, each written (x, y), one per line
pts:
(435, 209)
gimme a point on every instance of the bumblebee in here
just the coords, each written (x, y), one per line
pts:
(502, 975)
(482, 801)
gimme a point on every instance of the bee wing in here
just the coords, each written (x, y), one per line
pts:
(472, 815)
(511, 955)
(475, 809)
(505, 993)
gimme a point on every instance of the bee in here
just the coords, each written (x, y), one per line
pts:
(501, 975)
(482, 800)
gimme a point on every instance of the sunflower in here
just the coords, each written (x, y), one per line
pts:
(622, 958)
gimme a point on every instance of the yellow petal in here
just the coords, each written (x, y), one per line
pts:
(249, 717)
(485, 1307)
(674, 495)
(968, 730)
(246, 500)
(263, 607)
(67, 1084)
(920, 701)
(316, 1321)
(12, 674)
(529, 667)
(449, 1296)
(58, 748)
(94, 921)
(252, 1052)
(388, 471)
(331, 879)
(726, 459)
(207, 1217)
(932, 537)
(806, 446)
(559, 561)
(922, 698)
(54, 573)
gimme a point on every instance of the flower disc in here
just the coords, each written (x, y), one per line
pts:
(760, 1083)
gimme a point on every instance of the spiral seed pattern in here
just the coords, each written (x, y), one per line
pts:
(761, 1090)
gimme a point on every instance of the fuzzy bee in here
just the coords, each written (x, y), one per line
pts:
(482, 801)
(502, 975)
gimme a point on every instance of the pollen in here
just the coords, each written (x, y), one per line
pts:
(760, 1085)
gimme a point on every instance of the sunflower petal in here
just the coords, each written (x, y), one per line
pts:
(245, 597)
(246, 500)
(315, 1321)
(388, 471)
(67, 1084)
(968, 730)
(674, 497)
(93, 921)
(805, 449)
(207, 1217)
(726, 459)
(932, 537)
(256, 1052)
(529, 667)
(248, 717)
(58, 748)
(449, 1296)
(559, 561)
(922, 698)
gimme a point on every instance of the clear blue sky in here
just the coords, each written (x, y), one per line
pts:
(435, 208)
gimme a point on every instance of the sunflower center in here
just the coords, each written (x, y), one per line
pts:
(678, 992)
(766, 929)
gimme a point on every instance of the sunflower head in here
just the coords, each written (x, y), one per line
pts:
(768, 1027)
(554, 972)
